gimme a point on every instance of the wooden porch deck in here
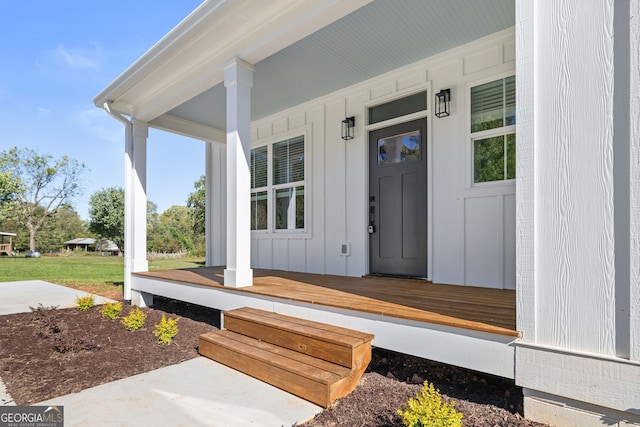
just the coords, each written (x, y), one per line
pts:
(479, 309)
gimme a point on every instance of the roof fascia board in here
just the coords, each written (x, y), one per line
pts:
(188, 128)
(190, 63)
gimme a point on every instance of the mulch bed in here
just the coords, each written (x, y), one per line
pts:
(52, 352)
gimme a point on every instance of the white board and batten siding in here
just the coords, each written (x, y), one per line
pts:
(471, 230)
(578, 210)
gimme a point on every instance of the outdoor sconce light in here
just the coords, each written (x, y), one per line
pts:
(348, 126)
(443, 102)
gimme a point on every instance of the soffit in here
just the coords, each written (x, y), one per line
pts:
(375, 39)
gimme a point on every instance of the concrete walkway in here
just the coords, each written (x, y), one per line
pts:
(199, 392)
(18, 297)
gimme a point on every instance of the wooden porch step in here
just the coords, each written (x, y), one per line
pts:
(312, 360)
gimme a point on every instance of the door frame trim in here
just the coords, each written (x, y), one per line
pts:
(367, 129)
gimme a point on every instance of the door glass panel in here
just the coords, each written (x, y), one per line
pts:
(401, 148)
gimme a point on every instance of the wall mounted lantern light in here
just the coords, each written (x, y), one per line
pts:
(443, 102)
(348, 126)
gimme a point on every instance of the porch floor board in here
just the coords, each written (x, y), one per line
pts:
(474, 308)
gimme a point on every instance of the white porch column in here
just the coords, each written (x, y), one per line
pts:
(215, 194)
(138, 198)
(128, 223)
(238, 79)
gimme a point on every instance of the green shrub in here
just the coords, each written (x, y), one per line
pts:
(428, 410)
(85, 302)
(111, 310)
(166, 330)
(134, 320)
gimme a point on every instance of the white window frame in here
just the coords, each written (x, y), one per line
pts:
(490, 133)
(271, 188)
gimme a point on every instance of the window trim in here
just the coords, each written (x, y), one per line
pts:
(473, 136)
(269, 142)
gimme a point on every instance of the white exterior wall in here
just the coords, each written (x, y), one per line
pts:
(577, 211)
(472, 234)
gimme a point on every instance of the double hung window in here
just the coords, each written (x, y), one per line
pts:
(283, 189)
(493, 137)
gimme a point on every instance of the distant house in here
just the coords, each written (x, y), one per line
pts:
(82, 243)
(6, 248)
(107, 246)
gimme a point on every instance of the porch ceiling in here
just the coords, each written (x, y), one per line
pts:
(376, 38)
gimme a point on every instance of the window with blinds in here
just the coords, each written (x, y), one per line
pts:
(288, 161)
(285, 192)
(259, 167)
(493, 105)
(493, 119)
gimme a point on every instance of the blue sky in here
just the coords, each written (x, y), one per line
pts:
(55, 56)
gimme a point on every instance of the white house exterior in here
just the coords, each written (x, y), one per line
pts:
(268, 84)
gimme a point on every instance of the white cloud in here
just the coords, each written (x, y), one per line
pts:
(79, 59)
(43, 111)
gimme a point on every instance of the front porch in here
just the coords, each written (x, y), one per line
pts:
(466, 326)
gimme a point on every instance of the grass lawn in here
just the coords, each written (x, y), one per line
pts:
(100, 275)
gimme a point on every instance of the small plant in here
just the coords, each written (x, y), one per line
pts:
(134, 320)
(85, 302)
(166, 330)
(427, 409)
(111, 310)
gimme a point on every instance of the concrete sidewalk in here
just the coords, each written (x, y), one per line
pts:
(18, 297)
(198, 392)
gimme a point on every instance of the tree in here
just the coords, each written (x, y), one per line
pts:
(197, 211)
(173, 232)
(9, 187)
(65, 225)
(106, 213)
(196, 202)
(45, 184)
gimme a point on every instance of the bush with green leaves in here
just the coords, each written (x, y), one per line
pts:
(111, 310)
(166, 330)
(428, 410)
(134, 320)
(85, 302)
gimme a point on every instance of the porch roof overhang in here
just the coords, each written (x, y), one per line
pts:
(301, 50)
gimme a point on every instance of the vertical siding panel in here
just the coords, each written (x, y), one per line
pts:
(335, 191)
(635, 182)
(482, 241)
(280, 254)
(314, 248)
(575, 251)
(509, 242)
(526, 301)
(265, 257)
(296, 250)
(357, 183)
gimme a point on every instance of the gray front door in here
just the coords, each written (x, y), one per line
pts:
(398, 199)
